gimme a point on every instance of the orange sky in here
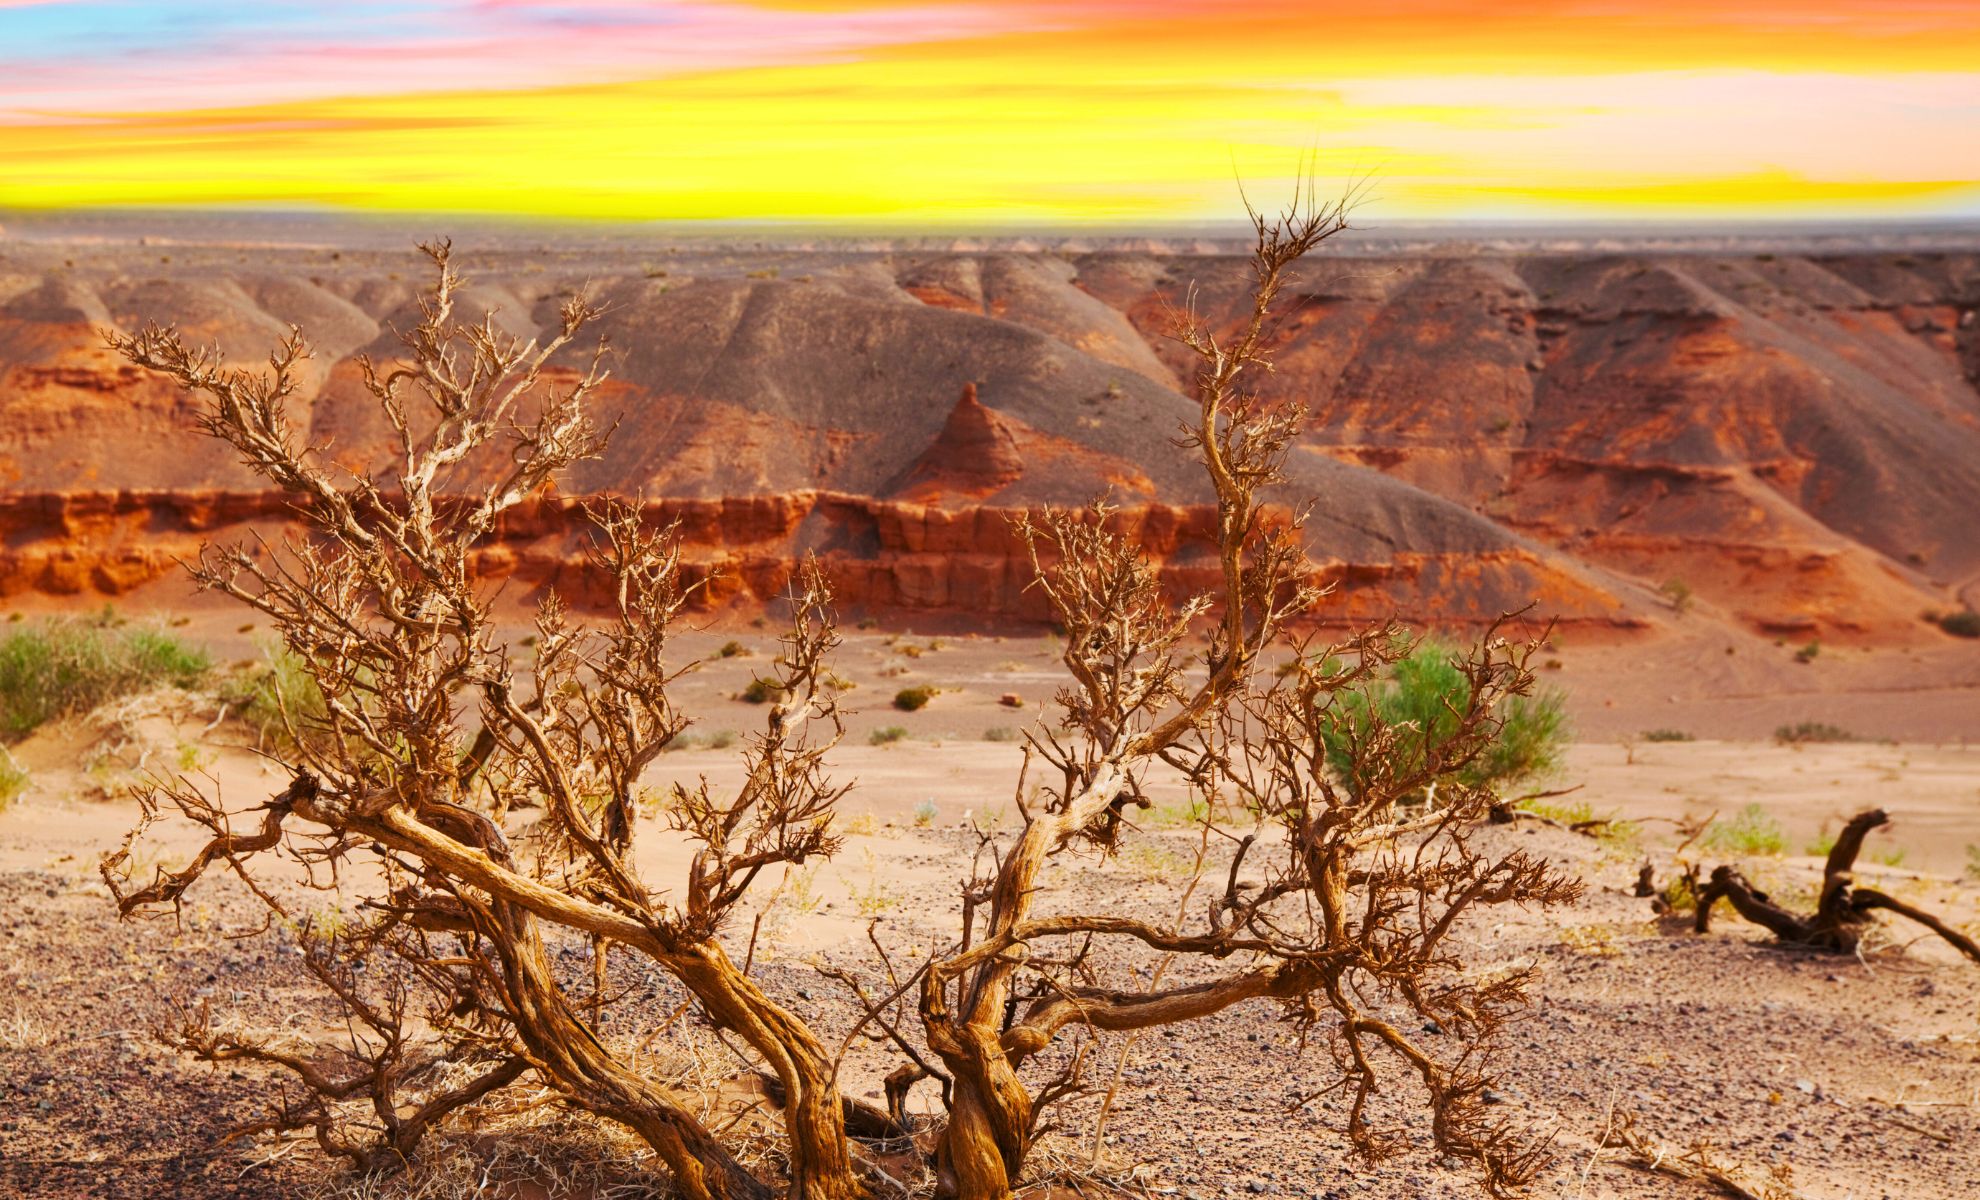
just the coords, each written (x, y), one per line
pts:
(976, 113)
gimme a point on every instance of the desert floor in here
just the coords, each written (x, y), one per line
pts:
(1862, 1074)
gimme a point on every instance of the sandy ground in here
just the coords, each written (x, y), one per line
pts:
(1833, 1066)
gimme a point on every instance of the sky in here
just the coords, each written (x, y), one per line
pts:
(996, 112)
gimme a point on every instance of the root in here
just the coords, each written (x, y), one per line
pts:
(1843, 914)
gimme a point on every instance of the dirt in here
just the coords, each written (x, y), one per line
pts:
(1848, 1070)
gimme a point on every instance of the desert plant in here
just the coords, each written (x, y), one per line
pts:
(277, 698)
(732, 650)
(64, 667)
(1344, 906)
(916, 698)
(1667, 735)
(1678, 593)
(1000, 733)
(1961, 623)
(1424, 694)
(886, 735)
(760, 691)
(924, 814)
(14, 779)
(1340, 896)
(431, 738)
(1808, 653)
(1805, 732)
(1752, 830)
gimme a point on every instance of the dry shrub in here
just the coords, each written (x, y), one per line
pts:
(1351, 857)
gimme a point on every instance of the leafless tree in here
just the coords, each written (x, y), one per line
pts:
(1342, 890)
(432, 733)
(1339, 896)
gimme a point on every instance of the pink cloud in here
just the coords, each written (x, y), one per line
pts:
(499, 44)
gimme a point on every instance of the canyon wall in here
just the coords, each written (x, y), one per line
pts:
(1796, 439)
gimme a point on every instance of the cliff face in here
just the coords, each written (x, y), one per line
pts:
(1797, 439)
(880, 554)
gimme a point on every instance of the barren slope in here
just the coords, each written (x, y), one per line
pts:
(1797, 439)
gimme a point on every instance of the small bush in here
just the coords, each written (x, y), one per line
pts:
(733, 650)
(914, 699)
(761, 691)
(1000, 733)
(1678, 593)
(721, 739)
(1804, 732)
(280, 683)
(13, 779)
(1965, 623)
(886, 735)
(1667, 735)
(1808, 653)
(1179, 815)
(924, 814)
(863, 825)
(1678, 895)
(1426, 690)
(63, 667)
(1750, 831)
(1973, 862)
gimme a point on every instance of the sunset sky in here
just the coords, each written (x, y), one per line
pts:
(995, 112)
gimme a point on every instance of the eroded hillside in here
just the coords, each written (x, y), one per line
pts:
(1795, 438)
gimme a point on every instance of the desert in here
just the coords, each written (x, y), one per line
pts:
(1711, 502)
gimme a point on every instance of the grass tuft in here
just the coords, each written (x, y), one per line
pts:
(1667, 735)
(281, 683)
(913, 699)
(1805, 732)
(1750, 831)
(13, 780)
(64, 667)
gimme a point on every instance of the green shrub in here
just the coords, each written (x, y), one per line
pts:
(1000, 733)
(721, 739)
(1749, 831)
(13, 779)
(1678, 592)
(913, 699)
(1808, 653)
(924, 814)
(62, 667)
(1667, 735)
(733, 650)
(1427, 690)
(1678, 894)
(886, 735)
(1965, 623)
(1812, 731)
(280, 683)
(761, 691)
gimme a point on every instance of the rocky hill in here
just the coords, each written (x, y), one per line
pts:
(1796, 438)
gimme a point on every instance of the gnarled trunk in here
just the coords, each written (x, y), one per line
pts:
(821, 1163)
(988, 1135)
(592, 1078)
